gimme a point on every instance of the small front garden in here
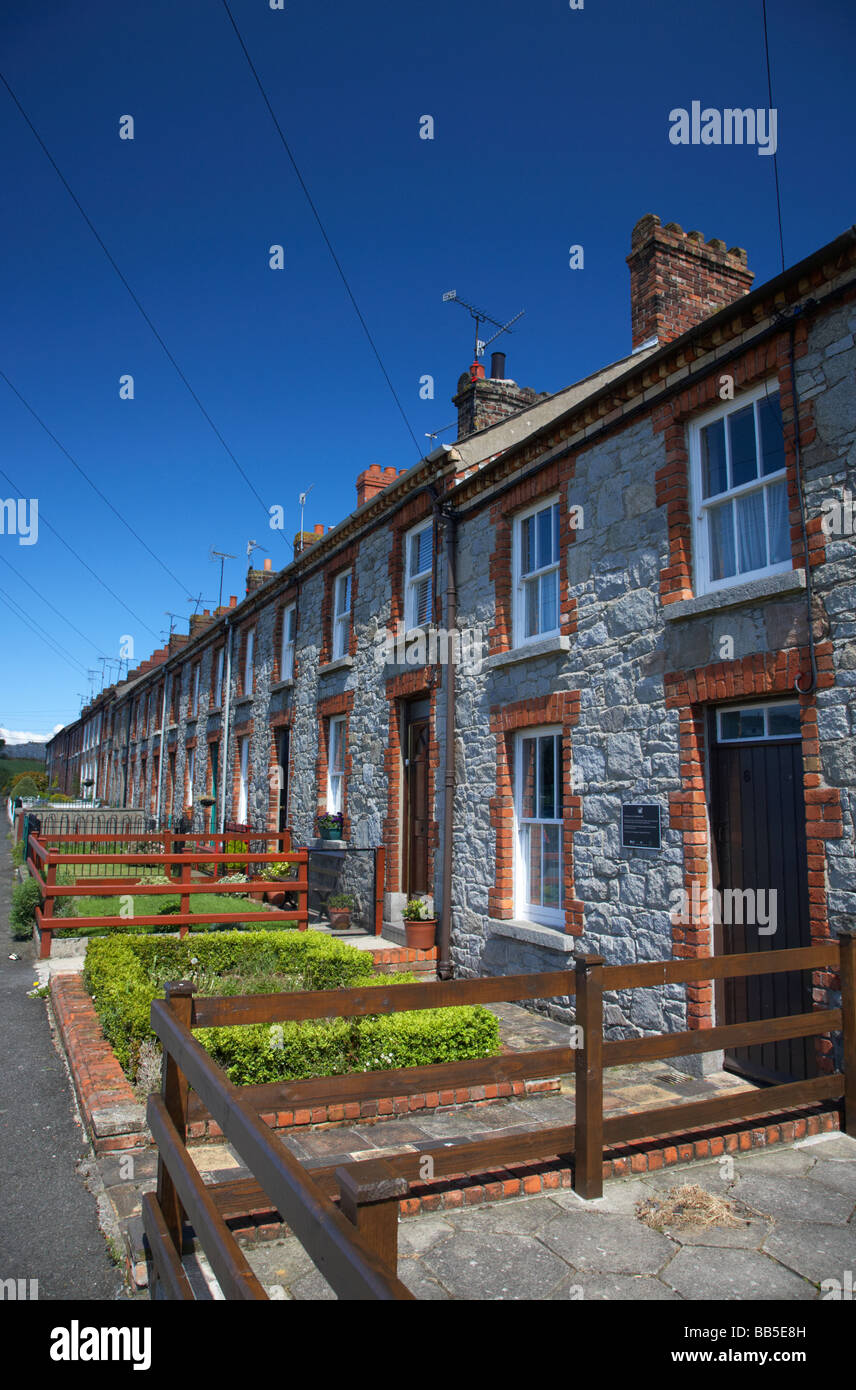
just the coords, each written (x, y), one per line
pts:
(123, 974)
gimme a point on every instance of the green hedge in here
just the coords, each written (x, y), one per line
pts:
(125, 973)
(22, 917)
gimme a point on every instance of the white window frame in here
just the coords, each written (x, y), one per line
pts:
(521, 583)
(289, 632)
(248, 661)
(752, 707)
(701, 506)
(191, 775)
(413, 582)
(243, 779)
(523, 908)
(336, 735)
(342, 588)
(217, 693)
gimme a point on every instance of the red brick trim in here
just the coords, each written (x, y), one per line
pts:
(554, 478)
(326, 710)
(345, 559)
(215, 652)
(673, 478)
(241, 731)
(419, 509)
(763, 674)
(505, 720)
(407, 685)
(112, 1116)
(242, 659)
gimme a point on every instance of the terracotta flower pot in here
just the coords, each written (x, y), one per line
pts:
(340, 917)
(275, 897)
(420, 935)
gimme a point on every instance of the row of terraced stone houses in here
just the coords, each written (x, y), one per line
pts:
(651, 691)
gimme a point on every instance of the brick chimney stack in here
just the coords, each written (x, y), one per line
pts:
(481, 402)
(373, 480)
(303, 539)
(677, 279)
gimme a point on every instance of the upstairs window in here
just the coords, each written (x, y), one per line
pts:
(194, 691)
(742, 527)
(217, 687)
(248, 662)
(341, 614)
(419, 547)
(536, 572)
(289, 631)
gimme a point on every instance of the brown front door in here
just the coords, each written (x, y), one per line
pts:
(417, 810)
(758, 822)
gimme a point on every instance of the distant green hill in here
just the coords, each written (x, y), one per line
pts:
(10, 767)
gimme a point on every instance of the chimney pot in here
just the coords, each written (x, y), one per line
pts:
(497, 366)
(268, 564)
(233, 600)
(477, 371)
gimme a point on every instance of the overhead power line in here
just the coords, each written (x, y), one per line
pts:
(47, 601)
(322, 229)
(43, 521)
(70, 191)
(95, 488)
(56, 647)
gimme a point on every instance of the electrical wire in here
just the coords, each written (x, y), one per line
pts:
(70, 548)
(56, 647)
(775, 156)
(41, 597)
(321, 227)
(70, 191)
(95, 488)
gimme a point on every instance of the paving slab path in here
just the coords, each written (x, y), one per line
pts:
(49, 1228)
(798, 1230)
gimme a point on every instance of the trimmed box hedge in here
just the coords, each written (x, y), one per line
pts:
(125, 973)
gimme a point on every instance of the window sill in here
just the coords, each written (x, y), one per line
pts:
(768, 586)
(215, 709)
(539, 646)
(341, 663)
(535, 934)
(282, 685)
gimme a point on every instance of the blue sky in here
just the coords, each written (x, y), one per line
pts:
(550, 129)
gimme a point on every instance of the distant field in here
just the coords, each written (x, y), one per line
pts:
(10, 767)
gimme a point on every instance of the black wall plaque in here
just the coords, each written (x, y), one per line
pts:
(640, 827)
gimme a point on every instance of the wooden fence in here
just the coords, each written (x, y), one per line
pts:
(49, 853)
(343, 1214)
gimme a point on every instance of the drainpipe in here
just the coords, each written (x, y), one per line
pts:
(227, 710)
(167, 681)
(795, 404)
(450, 616)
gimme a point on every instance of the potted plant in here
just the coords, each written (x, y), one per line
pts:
(339, 908)
(330, 825)
(420, 929)
(279, 873)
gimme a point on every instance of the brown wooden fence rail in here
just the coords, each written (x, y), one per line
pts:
(368, 1192)
(48, 854)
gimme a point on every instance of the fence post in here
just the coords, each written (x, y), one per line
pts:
(46, 933)
(847, 968)
(184, 904)
(369, 1198)
(174, 1088)
(588, 1069)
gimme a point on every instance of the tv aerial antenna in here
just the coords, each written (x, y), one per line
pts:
(452, 296)
(222, 556)
(251, 546)
(302, 504)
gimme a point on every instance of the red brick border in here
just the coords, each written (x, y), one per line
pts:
(112, 1115)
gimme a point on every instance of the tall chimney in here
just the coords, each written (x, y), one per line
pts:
(677, 279)
(373, 480)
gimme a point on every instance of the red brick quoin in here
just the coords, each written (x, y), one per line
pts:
(505, 720)
(690, 693)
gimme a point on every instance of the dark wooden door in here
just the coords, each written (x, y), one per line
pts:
(282, 751)
(758, 821)
(417, 809)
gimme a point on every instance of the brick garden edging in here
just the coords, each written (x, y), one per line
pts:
(115, 1119)
(113, 1116)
